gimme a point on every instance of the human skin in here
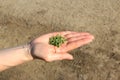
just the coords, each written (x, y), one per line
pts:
(41, 49)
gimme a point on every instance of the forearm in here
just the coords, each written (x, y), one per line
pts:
(14, 56)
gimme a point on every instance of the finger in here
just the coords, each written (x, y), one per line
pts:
(73, 41)
(61, 56)
(77, 38)
(75, 34)
(78, 43)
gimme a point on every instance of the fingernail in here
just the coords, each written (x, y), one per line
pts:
(91, 37)
(71, 58)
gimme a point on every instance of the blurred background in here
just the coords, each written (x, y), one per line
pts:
(23, 20)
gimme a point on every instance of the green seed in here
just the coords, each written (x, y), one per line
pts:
(57, 40)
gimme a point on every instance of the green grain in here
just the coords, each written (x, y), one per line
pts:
(57, 40)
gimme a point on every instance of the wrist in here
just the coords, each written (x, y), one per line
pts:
(32, 50)
(28, 49)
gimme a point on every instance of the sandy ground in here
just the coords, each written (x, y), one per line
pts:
(23, 20)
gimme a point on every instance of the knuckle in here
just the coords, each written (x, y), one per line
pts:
(71, 39)
(68, 36)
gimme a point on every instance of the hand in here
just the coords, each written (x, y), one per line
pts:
(43, 50)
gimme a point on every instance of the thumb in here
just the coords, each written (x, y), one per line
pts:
(61, 56)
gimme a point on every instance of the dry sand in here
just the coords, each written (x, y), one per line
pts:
(23, 20)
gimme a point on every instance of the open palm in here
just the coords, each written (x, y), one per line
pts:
(43, 50)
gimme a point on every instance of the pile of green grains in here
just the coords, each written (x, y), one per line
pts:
(57, 40)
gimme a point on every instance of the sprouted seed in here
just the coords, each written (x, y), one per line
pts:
(57, 40)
